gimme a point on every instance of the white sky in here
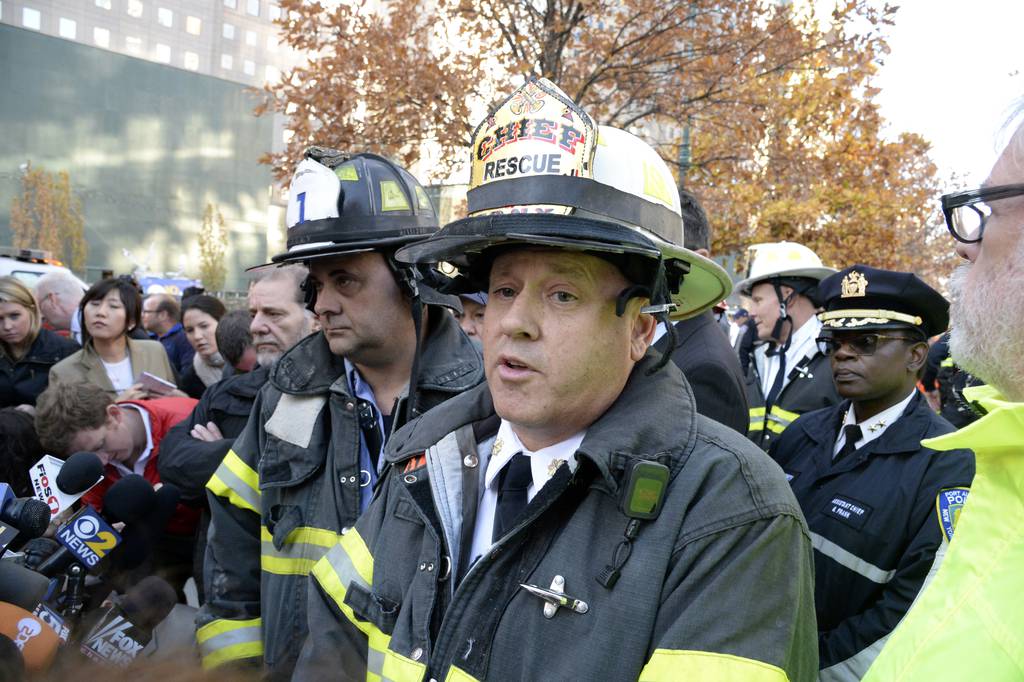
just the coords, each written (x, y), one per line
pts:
(954, 71)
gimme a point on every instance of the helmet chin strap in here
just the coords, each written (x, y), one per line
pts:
(407, 280)
(784, 317)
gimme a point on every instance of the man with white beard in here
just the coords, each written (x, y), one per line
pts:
(968, 622)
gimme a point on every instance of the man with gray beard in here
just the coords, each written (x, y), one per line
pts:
(967, 623)
(193, 449)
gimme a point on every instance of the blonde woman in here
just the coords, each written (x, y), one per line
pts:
(111, 309)
(27, 352)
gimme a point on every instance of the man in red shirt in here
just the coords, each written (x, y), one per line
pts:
(126, 436)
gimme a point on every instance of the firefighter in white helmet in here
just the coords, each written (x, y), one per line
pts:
(574, 518)
(788, 374)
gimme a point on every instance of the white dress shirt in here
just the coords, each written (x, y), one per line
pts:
(543, 464)
(140, 464)
(872, 427)
(804, 345)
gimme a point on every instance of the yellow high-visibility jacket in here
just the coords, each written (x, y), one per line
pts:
(968, 623)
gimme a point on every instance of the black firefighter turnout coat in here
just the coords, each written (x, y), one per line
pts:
(880, 521)
(718, 586)
(290, 484)
(809, 387)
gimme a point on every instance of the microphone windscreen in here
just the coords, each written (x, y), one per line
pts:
(20, 586)
(37, 640)
(166, 504)
(80, 472)
(29, 515)
(149, 602)
(134, 548)
(129, 499)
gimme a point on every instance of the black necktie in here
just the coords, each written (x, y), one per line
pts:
(513, 481)
(853, 434)
(773, 392)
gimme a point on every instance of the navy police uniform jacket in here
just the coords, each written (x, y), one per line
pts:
(880, 521)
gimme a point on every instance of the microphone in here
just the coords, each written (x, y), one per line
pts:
(61, 483)
(26, 517)
(139, 537)
(28, 590)
(36, 641)
(80, 472)
(132, 501)
(125, 628)
(21, 587)
(88, 537)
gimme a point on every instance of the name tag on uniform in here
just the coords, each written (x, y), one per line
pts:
(848, 510)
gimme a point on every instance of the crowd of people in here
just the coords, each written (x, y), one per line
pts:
(568, 460)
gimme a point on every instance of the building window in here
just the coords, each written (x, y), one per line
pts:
(229, 31)
(250, 38)
(67, 28)
(134, 8)
(191, 61)
(31, 18)
(273, 74)
(194, 25)
(103, 4)
(272, 43)
(165, 17)
(163, 53)
(133, 44)
(273, 12)
(226, 61)
(101, 36)
(249, 67)
(253, 7)
(233, 4)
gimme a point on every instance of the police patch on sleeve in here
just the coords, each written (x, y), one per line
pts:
(949, 503)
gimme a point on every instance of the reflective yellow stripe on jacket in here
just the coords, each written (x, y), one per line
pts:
(349, 562)
(221, 641)
(302, 548)
(237, 482)
(676, 664)
(777, 421)
(456, 674)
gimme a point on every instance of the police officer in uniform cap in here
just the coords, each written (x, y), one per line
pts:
(574, 518)
(880, 506)
(787, 375)
(306, 463)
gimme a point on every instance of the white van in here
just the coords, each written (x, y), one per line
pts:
(29, 265)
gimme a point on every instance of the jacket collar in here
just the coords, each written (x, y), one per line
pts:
(47, 348)
(912, 426)
(449, 362)
(1000, 430)
(653, 417)
(684, 330)
(247, 385)
(92, 364)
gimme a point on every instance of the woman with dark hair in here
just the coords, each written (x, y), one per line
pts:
(27, 352)
(110, 358)
(200, 316)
